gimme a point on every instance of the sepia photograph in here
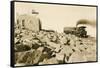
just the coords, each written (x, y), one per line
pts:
(51, 33)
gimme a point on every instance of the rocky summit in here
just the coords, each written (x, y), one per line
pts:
(47, 47)
(36, 46)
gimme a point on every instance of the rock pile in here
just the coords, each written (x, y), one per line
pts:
(41, 47)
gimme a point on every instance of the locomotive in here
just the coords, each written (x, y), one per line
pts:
(78, 31)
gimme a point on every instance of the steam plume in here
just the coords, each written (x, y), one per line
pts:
(87, 22)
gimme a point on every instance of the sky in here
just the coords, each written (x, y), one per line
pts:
(56, 17)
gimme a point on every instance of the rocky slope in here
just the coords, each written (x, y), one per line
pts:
(39, 48)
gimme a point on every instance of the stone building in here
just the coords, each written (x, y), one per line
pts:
(28, 21)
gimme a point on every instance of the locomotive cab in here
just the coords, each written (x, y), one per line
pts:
(81, 32)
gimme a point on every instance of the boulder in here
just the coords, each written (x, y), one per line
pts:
(77, 57)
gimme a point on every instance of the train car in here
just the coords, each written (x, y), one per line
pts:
(78, 31)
